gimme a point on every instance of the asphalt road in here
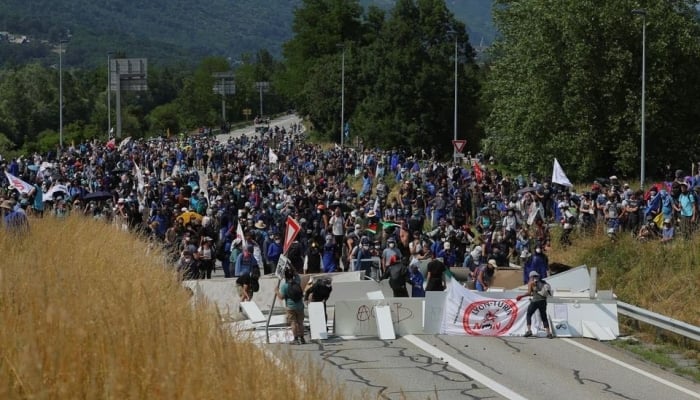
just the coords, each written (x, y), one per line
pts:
(414, 367)
(283, 122)
(457, 367)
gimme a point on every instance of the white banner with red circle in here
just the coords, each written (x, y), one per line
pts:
(468, 313)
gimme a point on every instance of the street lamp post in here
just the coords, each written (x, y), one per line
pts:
(109, 94)
(342, 95)
(262, 86)
(60, 92)
(454, 155)
(643, 13)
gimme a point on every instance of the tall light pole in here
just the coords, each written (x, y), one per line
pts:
(454, 155)
(262, 86)
(109, 94)
(643, 13)
(342, 94)
(60, 92)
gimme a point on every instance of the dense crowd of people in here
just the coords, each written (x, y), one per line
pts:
(224, 203)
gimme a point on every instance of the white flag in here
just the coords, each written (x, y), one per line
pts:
(272, 156)
(239, 235)
(20, 185)
(58, 188)
(558, 175)
(139, 178)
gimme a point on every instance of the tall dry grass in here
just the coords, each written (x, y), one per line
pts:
(88, 312)
(663, 278)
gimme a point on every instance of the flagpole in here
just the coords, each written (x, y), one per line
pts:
(296, 227)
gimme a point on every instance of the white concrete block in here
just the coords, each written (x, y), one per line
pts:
(251, 310)
(385, 327)
(317, 321)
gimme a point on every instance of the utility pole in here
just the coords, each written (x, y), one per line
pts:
(109, 94)
(643, 13)
(60, 92)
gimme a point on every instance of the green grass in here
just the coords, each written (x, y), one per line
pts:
(657, 355)
(690, 372)
(660, 278)
(661, 356)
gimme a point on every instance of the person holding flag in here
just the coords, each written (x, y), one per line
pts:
(38, 193)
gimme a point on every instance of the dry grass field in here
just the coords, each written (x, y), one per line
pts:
(87, 312)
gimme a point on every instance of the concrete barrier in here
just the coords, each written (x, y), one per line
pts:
(357, 317)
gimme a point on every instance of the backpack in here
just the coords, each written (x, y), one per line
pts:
(320, 291)
(219, 249)
(543, 288)
(254, 285)
(294, 291)
(255, 272)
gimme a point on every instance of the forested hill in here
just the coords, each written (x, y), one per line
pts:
(169, 31)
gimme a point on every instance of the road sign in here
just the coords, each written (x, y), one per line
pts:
(128, 74)
(293, 228)
(281, 265)
(459, 145)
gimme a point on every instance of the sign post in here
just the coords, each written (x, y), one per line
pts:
(459, 145)
(291, 231)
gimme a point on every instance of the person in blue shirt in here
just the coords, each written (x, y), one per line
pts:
(416, 278)
(274, 250)
(686, 210)
(538, 262)
(38, 194)
(666, 204)
(329, 248)
(246, 261)
(15, 218)
(448, 255)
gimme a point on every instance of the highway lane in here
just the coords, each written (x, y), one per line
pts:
(284, 121)
(494, 368)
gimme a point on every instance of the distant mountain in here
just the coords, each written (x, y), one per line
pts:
(169, 31)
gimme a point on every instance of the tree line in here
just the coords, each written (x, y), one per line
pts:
(563, 80)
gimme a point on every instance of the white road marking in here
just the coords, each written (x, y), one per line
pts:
(634, 369)
(465, 369)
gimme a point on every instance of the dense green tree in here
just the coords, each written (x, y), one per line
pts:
(197, 99)
(319, 27)
(409, 98)
(566, 83)
(399, 74)
(28, 101)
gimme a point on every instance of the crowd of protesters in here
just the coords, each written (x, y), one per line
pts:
(224, 203)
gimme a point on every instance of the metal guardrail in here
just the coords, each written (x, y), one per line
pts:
(659, 321)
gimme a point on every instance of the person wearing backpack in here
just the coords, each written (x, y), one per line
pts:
(319, 290)
(292, 294)
(539, 289)
(398, 276)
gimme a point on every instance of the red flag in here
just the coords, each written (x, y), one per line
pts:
(478, 172)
